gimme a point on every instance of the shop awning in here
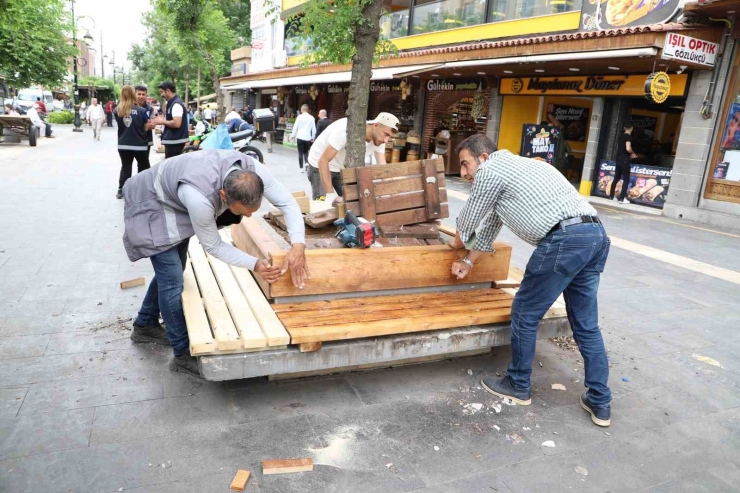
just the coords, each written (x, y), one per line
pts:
(334, 78)
(557, 57)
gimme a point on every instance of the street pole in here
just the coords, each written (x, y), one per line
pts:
(78, 127)
(102, 58)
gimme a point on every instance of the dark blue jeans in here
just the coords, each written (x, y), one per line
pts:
(568, 261)
(165, 295)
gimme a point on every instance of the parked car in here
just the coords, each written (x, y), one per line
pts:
(27, 97)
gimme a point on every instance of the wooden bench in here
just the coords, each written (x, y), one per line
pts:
(21, 126)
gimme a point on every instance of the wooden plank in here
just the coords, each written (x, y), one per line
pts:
(222, 325)
(372, 269)
(271, 326)
(240, 480)
(507, 283)
(278, 219)
(199, 331)
(399, 242)
(244, 243)
(399, 202)
(448, 230)
(262, 245)
(304, 203)
(390, 187)
(410, 216)
(139, 281)
(433, 242)
(309, 347)
(392, 170)
(431, 190)
(366, 192)
(321, 219)
(284, 466)
(422, 230)
(443, 297)
(244, 320)
(354, 330)
(293, 322)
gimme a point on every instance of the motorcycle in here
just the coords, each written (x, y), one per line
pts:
(241, 140)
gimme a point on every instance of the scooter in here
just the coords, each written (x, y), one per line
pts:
(241, 141)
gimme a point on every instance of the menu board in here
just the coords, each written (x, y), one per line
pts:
(648, 184)
(573, 118)
(540, 142)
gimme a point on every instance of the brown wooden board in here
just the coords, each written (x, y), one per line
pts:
(366, 191)
(398, 242)
(427, 231)
(383, 171)
(431, 190)
(390, 187)
(392, 203)
(284, 466)
(321, 219)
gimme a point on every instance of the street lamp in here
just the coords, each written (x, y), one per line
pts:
(88, 39)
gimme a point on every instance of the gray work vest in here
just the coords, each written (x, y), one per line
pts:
(154, 217)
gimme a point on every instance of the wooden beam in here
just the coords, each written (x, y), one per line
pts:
(199, 332)
(271, 326)
(139, 281)
(366, 193)
(244, 243)
(395, 186)
(321, 219)
(222, 325)
(428, 231)
(240, 480)
(385, 171)
(244, 320)
(409, 216)
(431, 190)
(284, 466)
(448, 230)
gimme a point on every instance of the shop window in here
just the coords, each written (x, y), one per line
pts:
(520, 9)
(395, 24)
(432, 16)
(724, 169)
(294, 44)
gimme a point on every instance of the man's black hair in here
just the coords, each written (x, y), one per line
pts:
(140, 87)
(476, 144)
(244, 187)
(168, 86)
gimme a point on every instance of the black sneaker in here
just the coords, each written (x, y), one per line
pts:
(186, 364)
(119, 194)
(600, 415)
(151, 333)
(504, 388)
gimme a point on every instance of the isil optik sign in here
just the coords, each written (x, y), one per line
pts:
(688, 49)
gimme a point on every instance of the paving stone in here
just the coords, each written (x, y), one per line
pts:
(43, 433)
(481, 482)
(105, 339)
(49, 368)
(89, 392)
(141, 359)
(11, 400)
(23, 346)
(12, 293)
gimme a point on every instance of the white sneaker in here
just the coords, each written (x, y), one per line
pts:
(625, 201)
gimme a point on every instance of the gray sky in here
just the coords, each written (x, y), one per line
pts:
(120, 22)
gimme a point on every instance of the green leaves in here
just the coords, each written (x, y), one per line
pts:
(34, 48)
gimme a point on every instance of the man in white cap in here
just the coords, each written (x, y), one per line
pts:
(326, 159)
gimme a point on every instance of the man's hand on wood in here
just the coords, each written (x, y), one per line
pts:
(456, 242)
(295, 261)
(267, 271)
(460, 269)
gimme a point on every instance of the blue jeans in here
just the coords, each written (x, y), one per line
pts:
(568, 261)
(165, 295)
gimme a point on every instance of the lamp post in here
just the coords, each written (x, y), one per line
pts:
(88, 39)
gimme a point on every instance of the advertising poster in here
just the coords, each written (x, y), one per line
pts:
(648, 184)
(540, 142)
(731, 134)
(573, 118)
(597, 15)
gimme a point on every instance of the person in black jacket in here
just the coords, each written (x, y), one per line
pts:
(134, 130)
(322, 123)
(175, 134)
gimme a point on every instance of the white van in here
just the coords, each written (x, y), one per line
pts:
(26, 98)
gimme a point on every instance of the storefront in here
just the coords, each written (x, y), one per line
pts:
(552, 119)
(398, 97)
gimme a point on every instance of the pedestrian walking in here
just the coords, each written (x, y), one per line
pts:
(208, 115)
(622, 170)
(322, 123)
(141, 100)
(133, 140)
(95, 116)
(541, 207)
(304, 131)
(109, 112)
(83, 111)
(175, 134)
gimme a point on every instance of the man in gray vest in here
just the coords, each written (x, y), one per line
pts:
(185, 196)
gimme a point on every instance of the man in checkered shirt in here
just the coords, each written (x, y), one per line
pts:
(539, 205)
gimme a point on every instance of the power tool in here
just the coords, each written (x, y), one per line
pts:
(356, 232)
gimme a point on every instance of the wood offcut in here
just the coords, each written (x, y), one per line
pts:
(240, 480)
(285, 466)
(139, 281)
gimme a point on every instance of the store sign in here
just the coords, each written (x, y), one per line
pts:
(441, 85)
(573, 118)
(540, 142)
(596, 85)
(335, 89)
(385, 86)
(301, 89)
(257, 44)
(688, 49)
(657, 87)
(597, 15)
(648, 184)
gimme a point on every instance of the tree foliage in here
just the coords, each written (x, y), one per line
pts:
(238, 14)
(34, 45)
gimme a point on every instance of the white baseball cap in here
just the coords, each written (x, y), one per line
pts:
(387, 119)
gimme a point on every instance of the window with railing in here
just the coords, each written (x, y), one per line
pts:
(503, 10)
(432, 16)
(395, 24)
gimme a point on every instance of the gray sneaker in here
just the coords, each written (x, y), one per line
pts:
(186, 364)
(154, 334)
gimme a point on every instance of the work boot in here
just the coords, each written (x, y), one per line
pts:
(119, 194)
(504, 388)
(600, 415)
(186, 364)
(151, 333)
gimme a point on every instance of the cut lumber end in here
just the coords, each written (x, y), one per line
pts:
(309, 347)
(286, 466)
(240, 480)
(132, 283)
(448, 230)
(508, 283)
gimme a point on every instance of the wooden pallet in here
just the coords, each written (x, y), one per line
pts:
(225, 309)
(398, 193)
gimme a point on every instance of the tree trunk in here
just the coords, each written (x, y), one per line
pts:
(219, 96)
(366, 38)
(187, 90)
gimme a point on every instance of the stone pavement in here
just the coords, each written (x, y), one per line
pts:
(84, 410)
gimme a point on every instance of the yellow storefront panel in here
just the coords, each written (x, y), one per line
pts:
(514, 114)
(593, 85)
(578, 146)
(289, 4)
